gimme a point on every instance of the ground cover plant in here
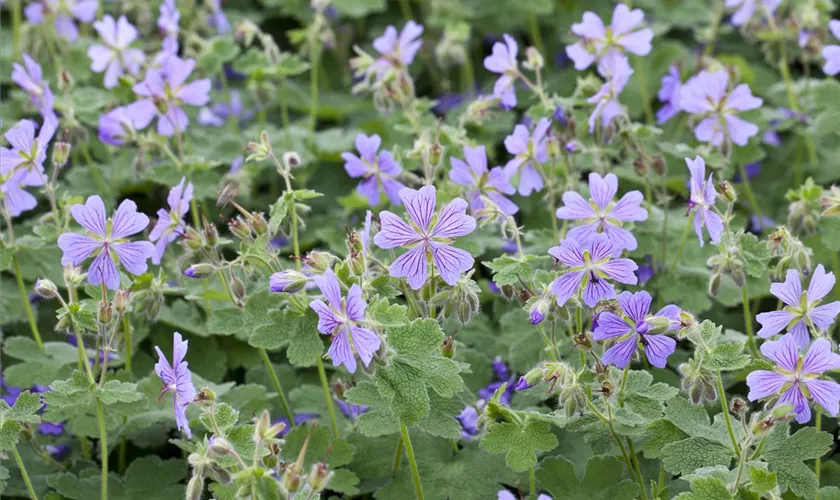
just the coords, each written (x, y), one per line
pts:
(438, 250)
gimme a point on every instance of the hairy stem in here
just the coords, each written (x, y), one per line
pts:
(327, 397)
(748, 321)
(30, 316)
(277, 387)
(24, 474)
(724, 406)
(683, 240)
(412, 461)
(103, 448)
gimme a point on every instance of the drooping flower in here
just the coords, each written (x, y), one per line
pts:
(397, 50)
(600, 214)
(669, 95)
(803, 309)
(170, 223)
(707, 96)
(615, 68)
(746, 9)
(63, 13)
(107, 240)
(796, 377)
(637, 326)
(378, 171)
(30, 78)
(115, 57)
(590, 266)
(529, 151)
(702, 201)
(502, 61)
(177, 379)
(164, 91)
(831, 53)
(493, 183)
(596, 40)
(340, 318)
(22, 164)
(350, 410)
(430, 234)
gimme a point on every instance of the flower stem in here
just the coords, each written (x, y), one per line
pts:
(748, 321)
(17, 8)
(326, 387)
(103, 448)
(277, 387)
(397, 457)
(30, 316)
(818, 461)
(532, 481)
(534, 31)
(412, 461)
(635, 460)
(683, 240)
(725, 407)
(645, 95)
(127, 333)
(24, 474)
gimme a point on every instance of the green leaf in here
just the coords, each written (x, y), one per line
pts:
(602, 480)
(299, 333)
(827, 122)
(727, 357)
(643, 400)
(216, 53)
(830, 236)
(762, 481)
(256, 313)
(73, 392)
(786, 453)
(658, 434)
(520, 445)
(222, 418)
(706, 488)
(827, 94)
(358, 8)
(755, 254)
(12, 418)
(40, 367)
(511, 270)
(321, 448)
(688, 455)
(114, 391)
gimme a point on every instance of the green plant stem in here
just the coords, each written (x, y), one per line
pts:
(717, 13)
(24, 474)
(748, 321)
(17, 9)
(534, 31)
(327, 397)
(103, 447)
(314, 59)
(818, 461)
(532, 481)
(127, 333)
(83, 359)
(635, 460)
(794, 105)
(683, 240)
(725, 407)
(277, 387)
(397, 457)
(405, 9)
(409, 451)
(121, 456)
(284, 116)
(30, 316)
(549, 346)
(608, 421)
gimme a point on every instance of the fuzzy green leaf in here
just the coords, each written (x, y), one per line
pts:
(114, 391)
(520, 445)
(706, 488)
(755, 254)
(786, 453)
(602, 480)
(688, 455)
(728, 356)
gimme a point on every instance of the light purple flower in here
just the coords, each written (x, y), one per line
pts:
(340, 318)
(350, 410)
(107, 240)
(502, 61)
(669, 95)
(746, 9)
(22, 164)
(831, 53)
(468, 418)
(637, 326)
(397, 50)
(115, 57)
(529, 151)
(702, 201)
(217, 17)
(615, 68)
(507, 495)
(600, 214)
(170, 223)
(31, 79)
(430, 233)
(492, 184)
(706, 95)
(177, 379)
(216, 115)
(797, 377)
(168, 20)
(63, 13)
(117, 127)
(164, 91)
(589, 267)
(378, 171)
(803, 309)
(597, 40)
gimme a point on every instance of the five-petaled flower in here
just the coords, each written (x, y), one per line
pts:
(803, 309)
(636, 327)
(492, 184)
(164, 91)
(397, 50)
(707, 95)
(796, 377)
(529, 151)
(502, 61)
(30, 78)
(115, 57)
(376, 170)
(63, 12)
(702, 201)
(177, 379)
(589, 267)
(340, 318)
(428, 234)
(615, 68)
(601, 214)
(22, 164)
(170, 223)
(107, 239)
(597, 40)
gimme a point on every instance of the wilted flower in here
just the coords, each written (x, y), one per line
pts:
(797, 377)
(170, 223)
(669, 95)
(430, 233)
(164, 91)
(601, 214)
(589, 267)
(503, 62)
(115, 57)
(615, 68)
(340, 318)
(802, 308)
(63, 13)
(702, 201)
(177, 379)
(378, 171)
(493, 184)
(707, 95)
(107, 240)
(597, 40)
(529, 151)
(30, 78)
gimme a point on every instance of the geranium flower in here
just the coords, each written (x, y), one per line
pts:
(702, 201)
(170, 223)
(493, 183)
(177, 379)
(378, 171)
(502, 61)
(707, 96)
(115, 57)
(596, 40)
(529, 150)
(63, 13)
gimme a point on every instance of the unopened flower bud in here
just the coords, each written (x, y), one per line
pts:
(121, 300)
(533, 59)
(220, 446)
(211, 235)
(205, 397)
(192, 239)
(239, 228)
(105, 312)
(291, 480)
(46, 288)
(261, 426)
(727, 192)
(560, 116)
(538, 311)
(65, 79)
(258, 224)
(289, 281)
(781, 411)
(319, 477)
(738, 406)
(72, 275)
(572, 146)
(715, 283)
(60, 154)
(640, 167)
(435, 153)
(199, 270)
(530, 379)
(447, 349)
(658, 165)
(195, 488)
(237, 287)
(658, 324)
(227, 194)
(291, 160)
(318, 261)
